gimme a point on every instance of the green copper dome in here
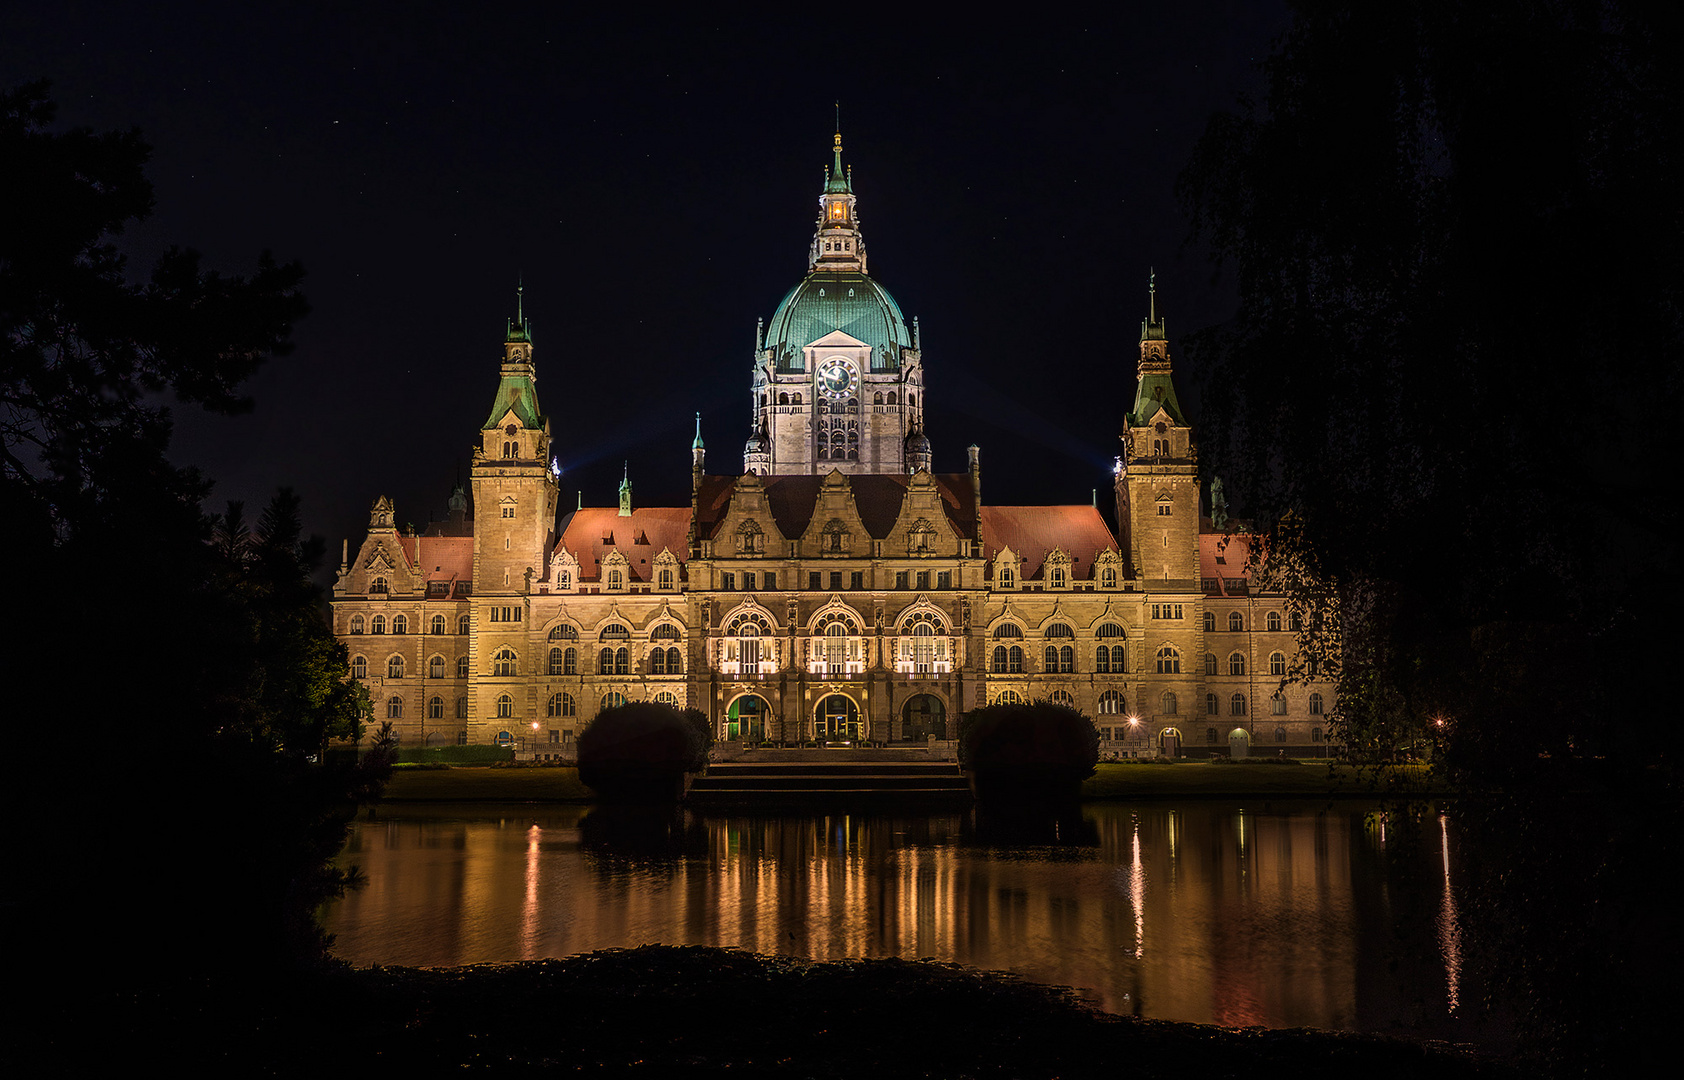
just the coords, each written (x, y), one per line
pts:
(845, 300)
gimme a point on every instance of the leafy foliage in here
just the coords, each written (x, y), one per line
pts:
(1035, 736)
(1448, 387)
(642, 738)
(147, 620)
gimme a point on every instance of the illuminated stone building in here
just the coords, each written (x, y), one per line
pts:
(835, 589)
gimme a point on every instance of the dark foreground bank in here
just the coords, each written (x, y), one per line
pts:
(686, 1011)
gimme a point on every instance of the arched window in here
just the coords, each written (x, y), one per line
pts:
(1210, 622)
(1280, 734)
(1169, 704)
(461, 667)
(505, 706)
(1210, 663)
(783, 399)
(666, 579)
(394, 667)
(605, 662)
(1315, 705)
(1049, 660)
(1058, 577)
(1108, 578)
(1236, 664)
(1169, 661)
(435, 708)
(998, 664)
(462, 625)
(657, 661)
(1009, 697)
(437, 628)
(435, 667)
(1014, 660)
(564, 633)
(356, 624)
(394, 708)
(613, 699)
(675, 665)
(1296, 622)
(558, 662)
(359, 667)
(1236, 621)
(1274, 621)
(1109, 630)
(1062, 697)
(664, 632)
(1111, 703)
(570, 661)
(1102, 660)
(503, 663)
(622, 661)
(614, 632)
(750, 540)
(461, 708)
(616, 579)
(1007, 578)
(1277, 664)
(564, 579)
(562, 705)
(1236, 705)
(1066, 659)
(400, 625)
(667, 697)
(1277, 705)
(1213, 705)
(1059, 630)
(377, 625)
(1007, 630)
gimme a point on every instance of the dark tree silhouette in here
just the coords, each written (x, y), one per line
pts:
(1447, 391)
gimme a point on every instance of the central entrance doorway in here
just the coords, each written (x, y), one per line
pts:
(923, 717)
(837, 719)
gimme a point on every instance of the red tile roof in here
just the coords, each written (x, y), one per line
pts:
(440, 558)
(591, 533)
(1235, 551)
(1034, 531)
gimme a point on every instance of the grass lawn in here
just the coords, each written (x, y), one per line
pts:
(1112, 781)
(1310, 780)
(553, 784)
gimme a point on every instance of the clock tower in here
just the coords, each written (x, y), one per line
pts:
(838, 378)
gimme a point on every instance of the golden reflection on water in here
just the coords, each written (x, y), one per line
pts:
(1200, 912)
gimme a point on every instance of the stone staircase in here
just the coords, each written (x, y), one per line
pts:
(879, 784)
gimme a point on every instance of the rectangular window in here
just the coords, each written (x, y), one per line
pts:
(900, 579)
(814, 581)
(944, 579)
(771, 580)
(924, 579)
(857, 580)
(836, 581)
(727, 581)
(748, 581)
(1166, 611)
(555, 737)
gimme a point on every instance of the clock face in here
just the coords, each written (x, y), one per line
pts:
(836, 377)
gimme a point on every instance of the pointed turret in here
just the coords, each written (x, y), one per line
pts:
(837, 244)
(625, 492)
(1154, 386)
(517, 391)
(1157, 476)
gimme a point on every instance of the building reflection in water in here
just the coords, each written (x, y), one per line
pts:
(1195, 912)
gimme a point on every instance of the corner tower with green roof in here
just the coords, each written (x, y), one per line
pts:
(838, 381)
(515, 495)
(1157, 475)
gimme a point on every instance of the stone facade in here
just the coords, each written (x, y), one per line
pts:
(834, 590)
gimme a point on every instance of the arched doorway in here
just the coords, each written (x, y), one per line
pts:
(837, 719)
(746, 718)
(924, 716)
(1239, 743)
(1169, 742)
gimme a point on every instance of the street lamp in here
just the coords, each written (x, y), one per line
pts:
(1134, 732)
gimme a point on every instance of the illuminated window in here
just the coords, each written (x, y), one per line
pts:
(613, 699)
(356, 624)
(1277, 705)
(1111, 703)
(503, 663)
(505, 706)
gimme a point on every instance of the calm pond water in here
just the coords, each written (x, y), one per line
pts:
(1284, 915)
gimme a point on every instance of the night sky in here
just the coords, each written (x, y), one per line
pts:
(654, 181)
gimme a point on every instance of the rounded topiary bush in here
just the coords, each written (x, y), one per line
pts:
(1038, 751)
(642, 751)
